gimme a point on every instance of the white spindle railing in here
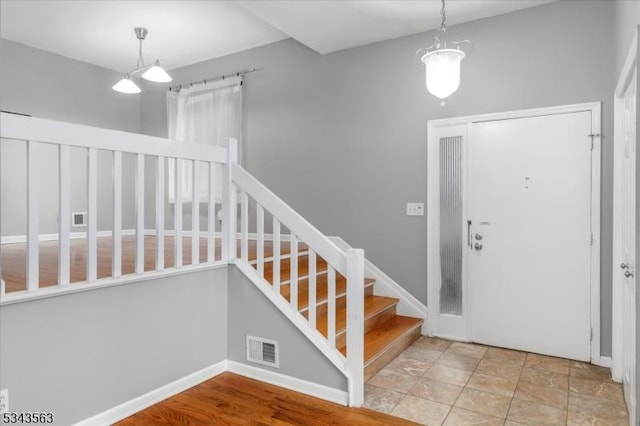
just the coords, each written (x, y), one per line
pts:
(305, 243)
(34, 132)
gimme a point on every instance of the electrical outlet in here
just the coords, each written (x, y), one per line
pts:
(415, 209)
(4, 401)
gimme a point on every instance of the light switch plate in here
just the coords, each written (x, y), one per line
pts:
(415, 209)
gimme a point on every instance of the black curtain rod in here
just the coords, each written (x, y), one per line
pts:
(222, 77)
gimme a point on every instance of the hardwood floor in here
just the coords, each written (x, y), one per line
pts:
(14, 259)
(229, 399)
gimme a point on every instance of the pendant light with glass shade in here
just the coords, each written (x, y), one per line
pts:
(153, 72)
(442, 61)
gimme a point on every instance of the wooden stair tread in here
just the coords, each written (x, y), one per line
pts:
(322, 290)
(384, 335)
(285, 249)
(303, 271)
(372, 306)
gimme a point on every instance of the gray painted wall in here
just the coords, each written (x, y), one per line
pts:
(342, 137)
(46, 85)
(626, 18)
(252, 314)
(80, 354)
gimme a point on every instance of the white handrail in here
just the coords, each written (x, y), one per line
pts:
(60, 133)
(297, 224)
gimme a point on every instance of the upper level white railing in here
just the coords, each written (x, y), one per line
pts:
(302, 248)
(35, 132)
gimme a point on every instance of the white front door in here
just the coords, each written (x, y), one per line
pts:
(529, 241)
(627, 243)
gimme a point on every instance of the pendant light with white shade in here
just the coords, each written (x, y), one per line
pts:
(442, 61)
(153, 72)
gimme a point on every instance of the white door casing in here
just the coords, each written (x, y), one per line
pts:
(460, 327)
(624, 232)
(628, 269)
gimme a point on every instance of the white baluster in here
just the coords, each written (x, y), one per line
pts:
(355, 325)
(92, 215)
(244, 227)
(229, 207)
(195, 213)
(276, 255)
(177, 215)
(211, 217)
(160, 190)
(293, 272)
(331, 306)
(33, 214)
(312, 288)
(116, 265)
(139, 202)
(260, 239)
(64, 197)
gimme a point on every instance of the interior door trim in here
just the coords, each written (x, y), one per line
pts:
(443, 127)
(626, 76)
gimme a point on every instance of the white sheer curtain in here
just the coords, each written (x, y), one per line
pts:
(206, 114)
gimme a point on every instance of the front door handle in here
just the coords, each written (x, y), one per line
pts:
(477, 246)
(628, 274)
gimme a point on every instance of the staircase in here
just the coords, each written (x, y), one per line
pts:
(387, 334)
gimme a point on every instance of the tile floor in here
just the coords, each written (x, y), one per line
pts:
(437, 382)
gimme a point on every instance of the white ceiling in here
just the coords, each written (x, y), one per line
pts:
(329, 25)
(185, 32)
(101, 32)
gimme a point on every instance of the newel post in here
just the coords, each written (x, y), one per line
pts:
(229, 204)
(355, 325)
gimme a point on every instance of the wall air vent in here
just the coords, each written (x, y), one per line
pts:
(78, 219)
(263, 351)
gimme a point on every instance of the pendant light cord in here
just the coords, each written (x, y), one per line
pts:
(443, 14)
(140, 60)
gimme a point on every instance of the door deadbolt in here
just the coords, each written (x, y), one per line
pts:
(477, 246)
(624, 266)
(478, 237)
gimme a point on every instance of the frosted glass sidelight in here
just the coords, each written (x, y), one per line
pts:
(451, 225)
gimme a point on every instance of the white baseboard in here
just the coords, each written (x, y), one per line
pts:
(129, 408)
(135, 405)
(13, 239)
(288, 382)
